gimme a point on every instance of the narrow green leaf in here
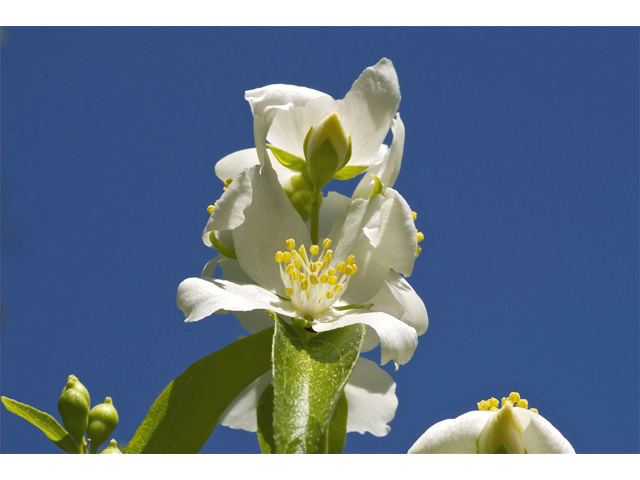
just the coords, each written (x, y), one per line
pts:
(309, 375)
(288, 160)
(45, 422)
(338, 427)
(184, 415)
(265, 421)
(349, 171)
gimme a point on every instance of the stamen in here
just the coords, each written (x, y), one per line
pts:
(227, 182)
(291, 244)
(210, 208)
(513, 399)
(327, 243)
(314, 249)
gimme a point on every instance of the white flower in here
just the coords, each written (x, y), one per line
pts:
(514, 427)
(370, 393)
(283, 115)
(372, 243)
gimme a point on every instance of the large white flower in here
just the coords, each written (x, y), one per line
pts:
(283, 115)
(354, 278)
(488, 429)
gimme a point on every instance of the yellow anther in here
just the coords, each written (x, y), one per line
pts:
(297, 264)
(314, 279)
(319, 265)
(418, 250)
(333, 280)
(289, 269)
(327, 257)
(348, 270)
(227, 182)
(279, 257)
(329, 294)
(313, 267)
(337, 288)
(324, 278)
(304, 284)
(289, 291)
(326, 243)
(331, 272)
(505, 401)
(350, 259)
(287, 257)
(514, 397)
(414, 215)
(420, 236)
(291, 244)
(534, 410)
(301, 277)
(314, 249)
(523, 403)
(493, 402)
(483, 405)
(355, 268)
(294, 276)
(493, 409)
(340, 267)
(210, 209)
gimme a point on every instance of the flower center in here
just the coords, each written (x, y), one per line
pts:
(513, 398)
(311, 284)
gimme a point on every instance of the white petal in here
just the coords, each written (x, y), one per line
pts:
(398, 299)
(389, 168)
(334, 205)
(234, 163)
(269, 221)
(458, 435)
(369, 108)
(398, 340)
(242, 414)
(371, 395)
(200, 297)
(265, 103)
(540, 436)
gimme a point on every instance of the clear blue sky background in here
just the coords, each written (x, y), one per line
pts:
(521, 160)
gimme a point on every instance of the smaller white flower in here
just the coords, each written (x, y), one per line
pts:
(514, 428)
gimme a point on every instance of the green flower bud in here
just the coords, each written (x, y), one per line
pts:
(103, 420)
(300, 195)
(112, 448)
(502, 433)
(73, 406)
(327, 149)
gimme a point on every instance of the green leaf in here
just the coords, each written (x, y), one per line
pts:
(349, 171)
(45, 422)
(309, 375)
(288, 160)
(338, 427)
(184, 415)
(265, 421)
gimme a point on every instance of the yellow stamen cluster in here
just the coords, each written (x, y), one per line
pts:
(309, 279)
(211, 208)
(513, 399)
(227, 182)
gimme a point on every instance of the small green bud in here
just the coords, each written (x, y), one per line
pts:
(73, 406)
(327, 149)
(112, 448)
(502, 433)
(103, 420)
(300, 195)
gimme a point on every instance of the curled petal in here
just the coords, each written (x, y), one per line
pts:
(241, 414)
(398, 340)
(457, 435)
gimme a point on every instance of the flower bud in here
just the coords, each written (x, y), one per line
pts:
(112, 448)
(502, 433)
(73, 406)
(103, 420)
(327, 149)
(300, 195)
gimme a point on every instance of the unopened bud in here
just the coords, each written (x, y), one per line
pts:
(103, 420)
(112, 448)
(73, 406)
(327, 149)
(502, 433)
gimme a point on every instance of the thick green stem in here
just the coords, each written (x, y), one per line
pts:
(315, 215)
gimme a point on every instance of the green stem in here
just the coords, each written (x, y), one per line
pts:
(315, 215)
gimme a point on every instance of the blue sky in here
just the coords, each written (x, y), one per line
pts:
(521, 160)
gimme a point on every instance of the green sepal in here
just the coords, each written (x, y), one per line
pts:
(184, 415)
(310, 371)
(46, 423)
(377, 188)
(288, 160)
(349, 171)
